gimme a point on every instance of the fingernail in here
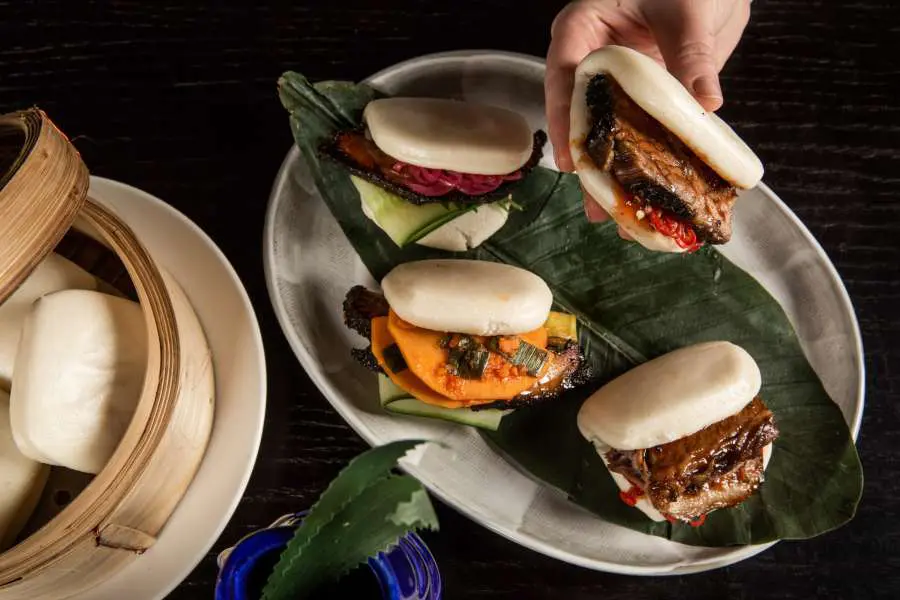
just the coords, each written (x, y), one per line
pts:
(707, 87)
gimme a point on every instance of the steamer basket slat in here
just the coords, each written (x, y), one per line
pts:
(125, 507)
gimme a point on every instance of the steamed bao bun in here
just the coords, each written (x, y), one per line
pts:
(668, 398)
(468, 296)
(671, 397)
(53, 274)
(21, 481)
(664, 98)
(78, 377)
(456, 135)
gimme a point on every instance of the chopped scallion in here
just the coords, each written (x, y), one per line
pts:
(529, 356)
(468, 360)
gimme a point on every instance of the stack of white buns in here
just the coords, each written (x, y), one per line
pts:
(72, 365)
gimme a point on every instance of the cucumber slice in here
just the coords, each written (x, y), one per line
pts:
(397, 400)
(403, 221)
(388, 391)
(483, 419)
(468, 230)
(562, 325)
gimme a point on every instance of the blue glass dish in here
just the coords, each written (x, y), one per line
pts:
(407, 571)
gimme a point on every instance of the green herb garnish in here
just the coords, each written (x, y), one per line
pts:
(529, 356)
(365, 510)
(468, 359)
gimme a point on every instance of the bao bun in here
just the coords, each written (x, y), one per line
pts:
(468, 296)
(78, 378)
(665, 99)
(447, 134)
(21, 480)
(671, 397)
(53, 274)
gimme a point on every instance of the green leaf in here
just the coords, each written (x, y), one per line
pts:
(375, 521)
(632, 305)
(365, 472)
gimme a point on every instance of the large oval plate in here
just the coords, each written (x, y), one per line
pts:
(310, 265)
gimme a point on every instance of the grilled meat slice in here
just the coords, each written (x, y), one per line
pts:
(652, 164)
(623, 463)
(716, 467)
(353, 150)
(729, 490)
(362, 305)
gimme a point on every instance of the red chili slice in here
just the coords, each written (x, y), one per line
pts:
(680, 231)
(631, 496)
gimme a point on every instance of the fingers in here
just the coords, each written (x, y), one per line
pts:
(575, 32)
(685, 32)
(595, 214)
(728, 36)
(592, 209)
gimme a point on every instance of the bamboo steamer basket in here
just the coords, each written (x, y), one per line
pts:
(125, 507)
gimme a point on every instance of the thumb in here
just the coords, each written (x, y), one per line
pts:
(684, 31)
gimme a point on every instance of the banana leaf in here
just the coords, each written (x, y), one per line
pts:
(632, 305)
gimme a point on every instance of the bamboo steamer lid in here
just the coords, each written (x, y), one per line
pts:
(125, 507)
(43, 186)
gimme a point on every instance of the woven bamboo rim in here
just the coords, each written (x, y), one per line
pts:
(41, 191)
(119, 515)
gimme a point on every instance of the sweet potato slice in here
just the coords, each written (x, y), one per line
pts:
(424, 356)
(381, 339)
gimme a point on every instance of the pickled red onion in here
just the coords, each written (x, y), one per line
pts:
(438, 182)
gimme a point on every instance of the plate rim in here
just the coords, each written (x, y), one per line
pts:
(519, 538)
(186, 567)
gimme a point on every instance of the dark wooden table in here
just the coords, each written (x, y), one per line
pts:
(178, 98)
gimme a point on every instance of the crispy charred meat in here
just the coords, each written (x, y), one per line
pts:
(362, 157)
(653, 165)
(717, 467)
(362, 305)
(574, 373)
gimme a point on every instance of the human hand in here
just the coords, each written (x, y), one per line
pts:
(692, 38)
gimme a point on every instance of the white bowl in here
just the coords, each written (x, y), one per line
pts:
(230, 324)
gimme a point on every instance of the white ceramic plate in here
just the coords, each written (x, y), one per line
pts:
(227, 316)
(310, 266)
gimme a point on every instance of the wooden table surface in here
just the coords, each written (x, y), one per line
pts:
(178, 98)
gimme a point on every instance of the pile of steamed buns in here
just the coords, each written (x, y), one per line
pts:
(72, 365)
